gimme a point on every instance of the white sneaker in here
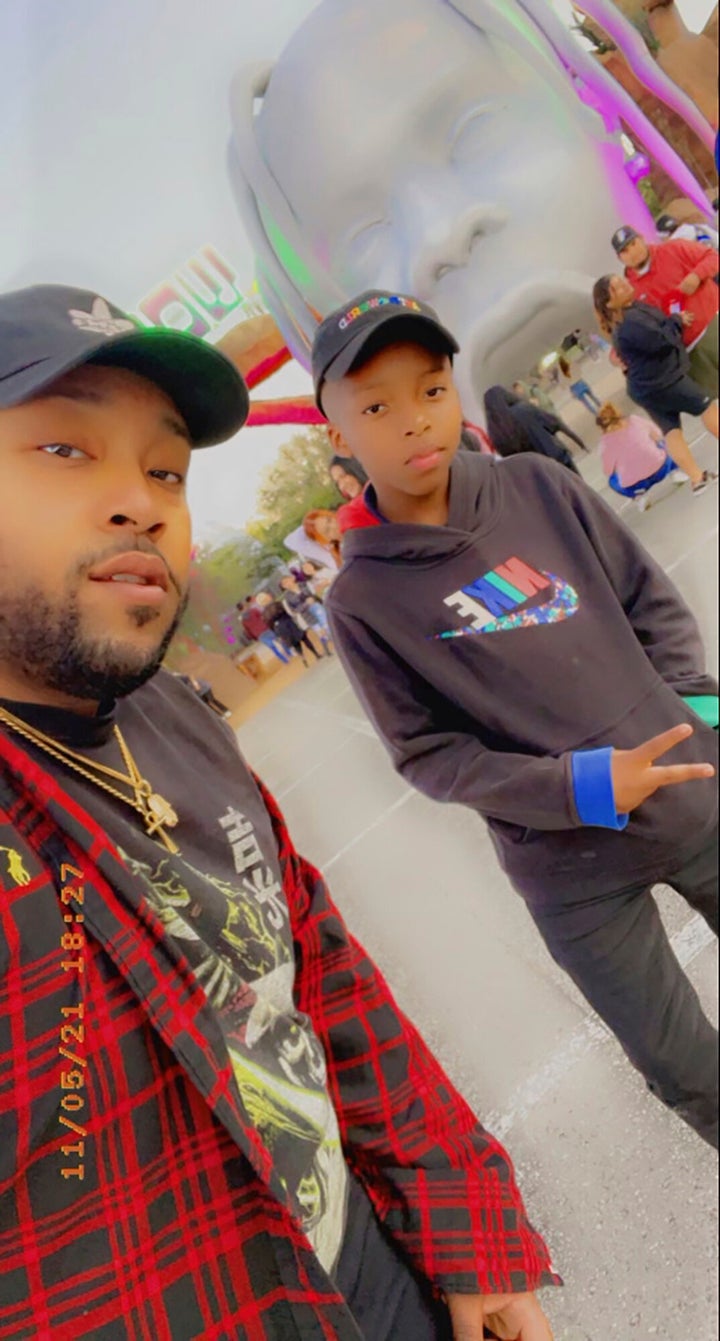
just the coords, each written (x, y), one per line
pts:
(678, 477)
(642, 502)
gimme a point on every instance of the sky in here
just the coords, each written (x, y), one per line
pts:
(112, 167)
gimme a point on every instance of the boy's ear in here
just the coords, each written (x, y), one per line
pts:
(339, 445)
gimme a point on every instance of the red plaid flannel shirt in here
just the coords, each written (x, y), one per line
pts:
(178, 1227)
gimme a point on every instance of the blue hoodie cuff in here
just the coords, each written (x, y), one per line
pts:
(593, 788)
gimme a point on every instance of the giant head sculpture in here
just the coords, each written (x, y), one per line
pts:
(438, 149)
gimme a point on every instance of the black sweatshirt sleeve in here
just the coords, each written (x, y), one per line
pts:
(663, 623)
(647, 332)
(446, 759)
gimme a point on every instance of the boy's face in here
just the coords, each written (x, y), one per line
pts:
(400, 416)
(92, 484)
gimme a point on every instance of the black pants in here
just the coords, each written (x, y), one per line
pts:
(617, 952)
(305, 641)
(213, 702)
(387, 1300)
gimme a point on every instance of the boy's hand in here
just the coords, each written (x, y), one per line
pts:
(510, 1317)
(690, 284)
(687, 318)
(635, 775)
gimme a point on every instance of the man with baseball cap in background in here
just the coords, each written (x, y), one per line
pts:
(214, 1119)
(678, 275)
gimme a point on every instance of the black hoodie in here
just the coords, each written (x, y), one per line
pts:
(531, 626)
(651, 348)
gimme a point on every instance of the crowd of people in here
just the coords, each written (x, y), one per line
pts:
(661, 315)
(659, 321)
(293, 623)
(244, 1087)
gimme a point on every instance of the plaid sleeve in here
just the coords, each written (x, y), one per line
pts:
(443, 1186)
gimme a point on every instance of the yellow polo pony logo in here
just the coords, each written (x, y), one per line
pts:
(15, 867)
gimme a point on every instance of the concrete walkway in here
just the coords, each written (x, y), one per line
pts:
(624, 1192)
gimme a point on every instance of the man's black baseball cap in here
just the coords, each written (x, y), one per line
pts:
(622, 237)
(352, 330)
(48, 330)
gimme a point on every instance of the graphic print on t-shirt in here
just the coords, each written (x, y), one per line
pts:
(511, 596)
(236, 937)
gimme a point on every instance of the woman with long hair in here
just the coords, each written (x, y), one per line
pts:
(515, 426)
(348, 477)
(650, 348)
(321, 525)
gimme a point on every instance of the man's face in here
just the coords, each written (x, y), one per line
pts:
(400, 416)
(94, 536)
(442, 147)
(635, 254)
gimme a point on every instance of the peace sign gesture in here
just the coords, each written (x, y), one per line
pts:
(636, 775)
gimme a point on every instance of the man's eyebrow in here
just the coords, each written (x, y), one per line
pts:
(92, 397)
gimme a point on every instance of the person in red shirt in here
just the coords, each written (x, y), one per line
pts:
(678, 276)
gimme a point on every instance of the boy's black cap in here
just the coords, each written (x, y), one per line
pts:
(622, 237)
(49, 329)
(345, 333)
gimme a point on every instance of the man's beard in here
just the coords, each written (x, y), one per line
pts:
(46, 644)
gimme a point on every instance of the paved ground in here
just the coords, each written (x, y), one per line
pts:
(624, 1192)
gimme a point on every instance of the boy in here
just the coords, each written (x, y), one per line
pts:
(520, 653)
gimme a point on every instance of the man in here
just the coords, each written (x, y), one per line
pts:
(678, 275)
(668, 228)
(214, 1120)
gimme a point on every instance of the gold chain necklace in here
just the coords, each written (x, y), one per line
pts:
(157, 813)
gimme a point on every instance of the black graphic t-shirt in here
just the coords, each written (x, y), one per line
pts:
(221, 900)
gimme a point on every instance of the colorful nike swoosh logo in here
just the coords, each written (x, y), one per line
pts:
(564, 605)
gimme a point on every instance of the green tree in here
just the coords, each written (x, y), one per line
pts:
(220, 577)
(296, 483)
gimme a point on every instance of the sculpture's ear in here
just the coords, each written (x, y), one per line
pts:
(248, 88)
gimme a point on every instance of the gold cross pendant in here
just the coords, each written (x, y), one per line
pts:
(160, 815)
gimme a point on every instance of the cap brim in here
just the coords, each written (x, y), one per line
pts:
(620, 244)
(400, 323)
(394, 326)
(205, 387)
